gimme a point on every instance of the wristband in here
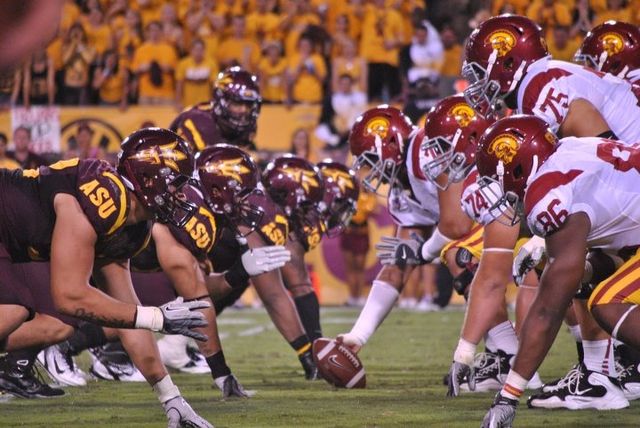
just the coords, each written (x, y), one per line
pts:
(149, 318)
(165, 389)
(464, 352)
(432, 247)
(237, 276)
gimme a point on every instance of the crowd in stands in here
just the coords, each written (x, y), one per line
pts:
(341, 54)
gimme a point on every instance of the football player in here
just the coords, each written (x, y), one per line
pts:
(386, 143)
(507, 63)
(577, 193)
(230, 117)
(612, 47)
(69, 212)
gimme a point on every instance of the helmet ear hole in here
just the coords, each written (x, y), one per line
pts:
(517, 172)
(508, 63)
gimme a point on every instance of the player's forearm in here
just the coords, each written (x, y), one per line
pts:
(278, 304)
(212, 345)
(93, 305)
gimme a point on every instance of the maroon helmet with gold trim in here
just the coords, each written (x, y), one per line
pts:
(155, 163)
(236, 86)
(341, 191)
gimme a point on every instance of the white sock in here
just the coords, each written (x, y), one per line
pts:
(575, 332)
(503, 337)
(598, 356)
(381, 299)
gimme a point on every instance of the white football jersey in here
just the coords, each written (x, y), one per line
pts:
(598, 177)
(473, 202)
(550, 86)
(418, 204)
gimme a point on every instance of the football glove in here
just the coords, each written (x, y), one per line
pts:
(501, 413)
(180, 414)
(458, 372)
(401, 252)
(180, 317)
(230, 387)
(528, 257)
(260, 260)
(350, 341)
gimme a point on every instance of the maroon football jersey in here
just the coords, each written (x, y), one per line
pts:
(197, 125)
(198, 235)
(274, 225)
(27, 215)
(309, 233)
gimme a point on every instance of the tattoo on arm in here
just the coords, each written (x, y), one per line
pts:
(102, 320)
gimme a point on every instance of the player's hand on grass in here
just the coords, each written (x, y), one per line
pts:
(458, 372)
(180, 414)
(501, 414)
(230, 387)
(350, 341)
(180, 317)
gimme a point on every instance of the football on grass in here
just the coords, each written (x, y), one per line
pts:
(338, 365)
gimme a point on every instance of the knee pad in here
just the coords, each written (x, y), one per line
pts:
(462, 281)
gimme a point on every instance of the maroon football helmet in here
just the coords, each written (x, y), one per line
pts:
(498, 54)
(612, 47)
(293, 183)
(155, 164)
(450, 137)
(236, 88)
(377, 141)
(341, 191)
(228, 176)
(509, 154)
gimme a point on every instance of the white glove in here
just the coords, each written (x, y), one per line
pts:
(350, 341)
(528, 257)
(180, 317)
(501, 414)
(265, 259)
(180, 414)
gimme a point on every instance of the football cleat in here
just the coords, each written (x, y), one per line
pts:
(582, 389)
(309, 366)
(231, 388)
(491, 371)
(552, 386)
(629, 378)
(178, 355)
(113, 365)
(22, 380)
(61, 367)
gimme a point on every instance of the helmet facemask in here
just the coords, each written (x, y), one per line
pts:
(380, 171)
(482, 94)
(439, 157)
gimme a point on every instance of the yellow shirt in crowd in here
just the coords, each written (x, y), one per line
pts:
(238, 50)
(163, 54)
(99, 37)
(272, 79)
(263, 26)
(197, 79)
(565, 54)
(7, 163)
(307, 87)
(377, 27)
(452, 64)
(558, 14)
(113, 87)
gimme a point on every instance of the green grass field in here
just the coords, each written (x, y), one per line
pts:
(405, 363)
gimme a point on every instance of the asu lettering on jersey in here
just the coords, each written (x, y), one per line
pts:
(550, 86)
(274, 224)
(416, 202)
(27, 215)
(197, 125)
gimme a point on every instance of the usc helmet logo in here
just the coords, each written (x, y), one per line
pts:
(502, 41)
(612, 43)
(462, 113)
(377, 126)
(504, 147)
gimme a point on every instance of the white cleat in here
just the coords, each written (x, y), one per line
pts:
(581, 389)
(61, 367)
(177, 354)
(120, 368)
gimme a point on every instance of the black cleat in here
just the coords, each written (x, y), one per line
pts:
(309, 366)
(23, 381)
